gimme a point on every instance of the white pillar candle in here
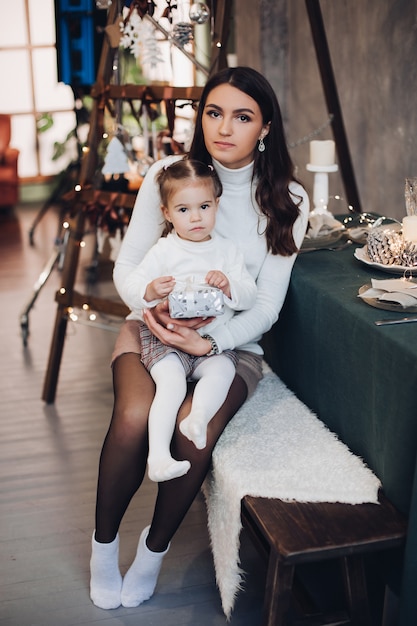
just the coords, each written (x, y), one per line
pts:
(410, 228)
(322, 152)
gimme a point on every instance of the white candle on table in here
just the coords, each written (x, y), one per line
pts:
(410, 228)
(322, 152)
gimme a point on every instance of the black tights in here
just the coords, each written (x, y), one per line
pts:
(125, 449)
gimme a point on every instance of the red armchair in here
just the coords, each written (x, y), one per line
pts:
(9, 179)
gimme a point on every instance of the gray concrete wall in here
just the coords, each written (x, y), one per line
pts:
(373, 46)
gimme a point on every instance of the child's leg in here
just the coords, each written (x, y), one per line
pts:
(214, 375)
(171, 387)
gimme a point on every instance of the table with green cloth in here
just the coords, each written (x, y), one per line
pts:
(359, 378)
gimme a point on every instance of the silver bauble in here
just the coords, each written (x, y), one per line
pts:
(199, 13)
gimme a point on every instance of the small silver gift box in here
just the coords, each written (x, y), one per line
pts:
(198, 301)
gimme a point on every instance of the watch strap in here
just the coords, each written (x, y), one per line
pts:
(214, 347)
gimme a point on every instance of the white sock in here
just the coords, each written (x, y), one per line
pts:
(106, 580)
(166, 469)
(142, 576)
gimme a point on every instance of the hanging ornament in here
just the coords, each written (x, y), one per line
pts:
(139, 36)
(168, 10)
(116, 161)
(199, 13)
(150, 50)
(183, 33)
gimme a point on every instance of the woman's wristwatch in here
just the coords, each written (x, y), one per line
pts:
(214, 347)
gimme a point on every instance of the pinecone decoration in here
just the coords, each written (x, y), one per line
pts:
(409, 255)
(183, 33)
(385, 246)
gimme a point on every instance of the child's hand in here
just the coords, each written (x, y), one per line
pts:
(159, 288)
(215, 278)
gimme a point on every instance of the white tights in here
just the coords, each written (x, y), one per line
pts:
(214, 375)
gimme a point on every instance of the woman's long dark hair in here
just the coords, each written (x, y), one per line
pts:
(273, 168)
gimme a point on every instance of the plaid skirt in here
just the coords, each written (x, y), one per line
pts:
(153, 350)
(249, 364)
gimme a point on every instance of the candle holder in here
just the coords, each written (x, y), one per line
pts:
(321, 186)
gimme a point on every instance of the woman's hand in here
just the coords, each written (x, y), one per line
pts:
(177, 333)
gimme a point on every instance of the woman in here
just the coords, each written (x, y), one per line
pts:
(264, 210)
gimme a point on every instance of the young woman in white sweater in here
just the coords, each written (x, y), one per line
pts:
(263, 208)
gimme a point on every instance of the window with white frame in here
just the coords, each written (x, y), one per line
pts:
(30, 87)
(42, 108)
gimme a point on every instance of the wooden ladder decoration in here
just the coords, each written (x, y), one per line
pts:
(103, 91)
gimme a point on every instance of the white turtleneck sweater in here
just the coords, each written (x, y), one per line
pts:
(239, 219)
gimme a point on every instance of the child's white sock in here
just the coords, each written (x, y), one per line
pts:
(142, 576)
(166, 469)
(106, 580)
(194, 427)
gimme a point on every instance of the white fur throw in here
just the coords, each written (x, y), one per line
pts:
(275, 447)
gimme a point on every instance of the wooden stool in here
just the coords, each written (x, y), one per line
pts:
(291, 533)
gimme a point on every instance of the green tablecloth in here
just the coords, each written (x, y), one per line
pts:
(359, 378)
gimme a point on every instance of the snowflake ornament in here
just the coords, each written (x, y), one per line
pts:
(139, 37)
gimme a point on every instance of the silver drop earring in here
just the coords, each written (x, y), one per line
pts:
(261, 145)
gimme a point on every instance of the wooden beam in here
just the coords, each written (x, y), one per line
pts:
(154, 93)
(221, 35)
(333, 104)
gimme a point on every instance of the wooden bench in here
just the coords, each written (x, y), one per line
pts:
(293, 533)
(304, 496)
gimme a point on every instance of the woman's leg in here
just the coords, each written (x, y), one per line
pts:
(125, 449)
(121, 470)
(175, 498)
